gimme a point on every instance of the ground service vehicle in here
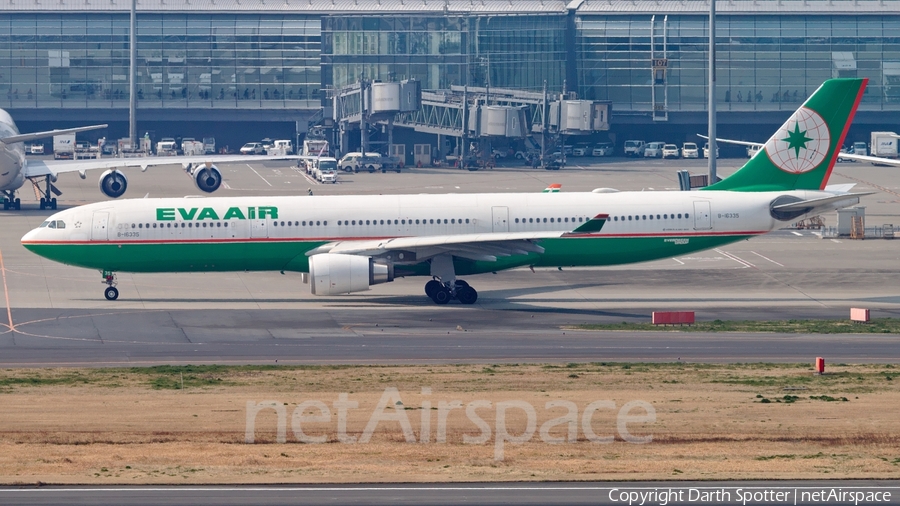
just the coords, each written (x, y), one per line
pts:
(634, 148)
(64, 147)
(36, 149)
(860, 148)
(166, 147)
(209, 145)
(353, 162)
(653, 149)
(191, 147)
(603, 149)
(884, 144)
(690, 150)
(252, 148)
(670, 151)
(706, 150)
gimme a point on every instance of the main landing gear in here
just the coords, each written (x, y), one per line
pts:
(11, 202)
(111, 292)
(444, 286)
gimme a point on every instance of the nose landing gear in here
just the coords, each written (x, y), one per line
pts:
(111, 292)
(11, 202)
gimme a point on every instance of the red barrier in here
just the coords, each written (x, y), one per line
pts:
(859, 314)
(820, 365)
(672, 317)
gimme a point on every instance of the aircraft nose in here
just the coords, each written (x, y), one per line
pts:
(30, 237)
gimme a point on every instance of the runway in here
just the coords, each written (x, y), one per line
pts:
(483, 494)
(56, 315)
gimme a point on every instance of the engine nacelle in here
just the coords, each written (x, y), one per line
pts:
(334, 273)
(113, 183)
(207, 178)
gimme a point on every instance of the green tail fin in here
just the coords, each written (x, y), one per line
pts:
(802, 153)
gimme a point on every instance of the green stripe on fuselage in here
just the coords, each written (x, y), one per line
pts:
(291, 255)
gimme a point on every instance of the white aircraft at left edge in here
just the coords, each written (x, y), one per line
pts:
(15, 169)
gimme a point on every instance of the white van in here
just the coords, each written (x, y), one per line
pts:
(326, 170)
(280, 148)
(354, 162)
(653, 150)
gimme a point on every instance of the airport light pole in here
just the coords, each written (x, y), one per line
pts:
(712, 93)
(132, 63)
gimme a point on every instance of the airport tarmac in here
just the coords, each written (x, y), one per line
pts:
(59, 315)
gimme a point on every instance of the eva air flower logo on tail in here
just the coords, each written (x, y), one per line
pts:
(801, 144)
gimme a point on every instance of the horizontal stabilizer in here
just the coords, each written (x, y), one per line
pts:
(49, 133)
(812, 204)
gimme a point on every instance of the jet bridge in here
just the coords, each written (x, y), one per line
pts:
(468, 113)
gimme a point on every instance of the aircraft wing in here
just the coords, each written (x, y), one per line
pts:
(733, 141)
(842, 155)
(38, 168)
(480, 247)
(49, 133)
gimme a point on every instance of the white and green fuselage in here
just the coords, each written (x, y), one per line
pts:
(350, 242)
(275, 233)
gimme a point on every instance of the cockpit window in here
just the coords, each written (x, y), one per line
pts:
(44, 224)
(60, 224)
(52, 224)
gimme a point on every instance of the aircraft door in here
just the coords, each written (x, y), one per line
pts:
(100, 227)
(702, 219)
(501, 219)
(259, 229)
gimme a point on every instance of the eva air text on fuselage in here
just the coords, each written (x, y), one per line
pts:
(208, 213)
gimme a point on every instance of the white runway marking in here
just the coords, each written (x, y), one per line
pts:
(258, 174)
(835, 240)
(677, 260)
(736, 259)
(225, 185)
(767, 258)
(797, 233)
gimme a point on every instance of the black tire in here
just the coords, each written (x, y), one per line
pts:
(431, 287)
(53, 203)
(441, 296)
(111, 293)
(5, 205)
(18, 205)
(466, 295)
(43, 203)
(371, 169)
(460, 283)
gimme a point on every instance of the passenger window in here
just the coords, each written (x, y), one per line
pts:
(226, 224)
(325, 223)
(679, 216)
(467, 221)
(140, 225)
(417, 222)
(517, 220)
(644, 217)
(545, 220)
(686, 215)
(219, 224)
(629, 218)
(317, 223)
(367, 222)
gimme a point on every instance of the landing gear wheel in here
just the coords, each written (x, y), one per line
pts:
(53, 203)
(441, 296)
(18, 205)
(466, 295)
(431, 287)
(460, 283)
(111, 293)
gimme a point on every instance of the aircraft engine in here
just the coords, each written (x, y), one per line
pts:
(334, 273)
(113, 183)
(207, 178)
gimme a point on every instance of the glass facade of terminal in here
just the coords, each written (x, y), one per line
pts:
(82, 60)
(256, 61)
(517, 52)
(764, 62)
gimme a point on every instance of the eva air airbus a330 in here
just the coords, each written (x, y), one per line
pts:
(348, 243)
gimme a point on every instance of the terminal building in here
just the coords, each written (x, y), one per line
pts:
(241, 70)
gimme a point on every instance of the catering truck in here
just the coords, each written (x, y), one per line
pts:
(884, 144)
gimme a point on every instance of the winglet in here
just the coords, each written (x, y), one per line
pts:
(553, 188)
(591, 226)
